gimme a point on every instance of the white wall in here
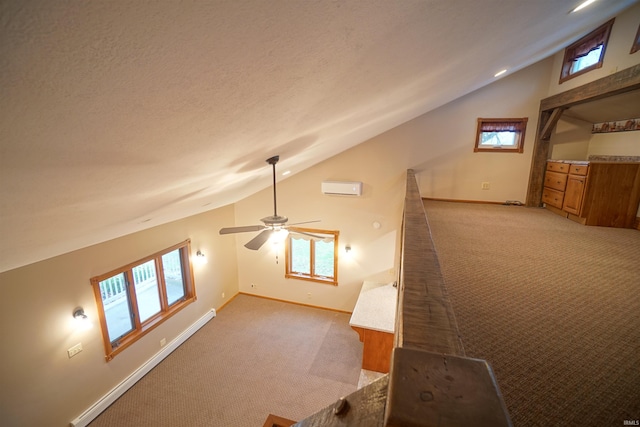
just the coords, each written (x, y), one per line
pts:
(615, 143)
(374, 251)
(444, 140)
(616, 56)
(570, 139)
(438, 146)
(41, 386)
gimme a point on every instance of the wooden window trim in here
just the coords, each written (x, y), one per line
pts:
(519, 148)
(636, 42)
(602, 33)
(312, 277)
(166, 310)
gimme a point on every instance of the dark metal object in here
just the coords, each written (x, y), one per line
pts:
(366, 409)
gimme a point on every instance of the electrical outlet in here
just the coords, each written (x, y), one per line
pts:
(74, 350)
(163, 342)
(254, 286)
(485, 185)
(309, 295)
(223, 295)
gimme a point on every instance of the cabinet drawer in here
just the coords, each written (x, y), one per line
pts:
(558, 167)
(555, 180)
(552, 197)
(579, 169)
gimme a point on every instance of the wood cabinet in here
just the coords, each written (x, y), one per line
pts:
(593, 193)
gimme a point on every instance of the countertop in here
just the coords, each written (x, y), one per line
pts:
(376, 307)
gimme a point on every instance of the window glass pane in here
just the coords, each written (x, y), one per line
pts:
(117, 309)
(498, 138)
(146, 286)
(324, 258)
(588, 60)
(172, 268)
(300, 256)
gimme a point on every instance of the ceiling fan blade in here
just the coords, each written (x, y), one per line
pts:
(244, 229)
(304, 222)
(257, 242)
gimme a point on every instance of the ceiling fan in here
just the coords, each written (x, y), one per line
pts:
(272, 224)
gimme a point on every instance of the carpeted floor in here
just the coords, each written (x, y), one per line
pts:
(552, 305)
(257, 357)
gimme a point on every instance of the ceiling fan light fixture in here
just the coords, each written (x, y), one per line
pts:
(274, 227)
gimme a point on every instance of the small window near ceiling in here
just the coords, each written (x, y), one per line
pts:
(586, 54)
(312, 254)
(134, 299)
(501, 135)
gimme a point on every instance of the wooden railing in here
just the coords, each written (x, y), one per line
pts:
(431, 382)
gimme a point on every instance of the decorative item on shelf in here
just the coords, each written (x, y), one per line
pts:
(81, 318)
(616, 126)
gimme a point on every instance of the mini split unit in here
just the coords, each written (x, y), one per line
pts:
(342, 188)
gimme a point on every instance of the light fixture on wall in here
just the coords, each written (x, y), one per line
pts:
(81, 318)
(200, 257)
(348, 251)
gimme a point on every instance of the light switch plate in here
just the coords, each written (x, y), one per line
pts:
(74, 350)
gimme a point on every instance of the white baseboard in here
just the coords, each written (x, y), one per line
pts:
(106, 400)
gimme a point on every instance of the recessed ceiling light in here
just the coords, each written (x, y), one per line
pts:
(286, 173)
(499, 73)
(583, 5)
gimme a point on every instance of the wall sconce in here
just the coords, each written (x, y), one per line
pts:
(81, 318)
(200, 257)
(347, 249)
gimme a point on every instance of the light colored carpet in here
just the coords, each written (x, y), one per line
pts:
(552, 305)
(257, 357)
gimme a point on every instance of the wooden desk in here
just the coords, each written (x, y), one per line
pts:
(374, 318)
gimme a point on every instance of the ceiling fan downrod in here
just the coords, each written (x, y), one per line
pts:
(272, 161)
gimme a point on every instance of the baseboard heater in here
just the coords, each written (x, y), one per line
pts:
(106, 400)
(342, 188)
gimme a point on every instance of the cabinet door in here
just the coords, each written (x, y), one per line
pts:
(573, 194)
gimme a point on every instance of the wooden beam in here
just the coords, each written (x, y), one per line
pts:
(424, 318)
(551, 123)
(620, 82)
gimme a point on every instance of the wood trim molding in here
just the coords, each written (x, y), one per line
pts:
(276, 421)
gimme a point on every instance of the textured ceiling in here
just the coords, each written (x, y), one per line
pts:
(116, 116)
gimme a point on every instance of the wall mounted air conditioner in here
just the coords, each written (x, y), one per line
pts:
(342, 188)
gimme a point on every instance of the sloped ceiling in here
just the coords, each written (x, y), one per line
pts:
(121, 115)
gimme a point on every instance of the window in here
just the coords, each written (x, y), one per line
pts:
(504, 135)
(312, 256)
(586, 54)
(136, 298)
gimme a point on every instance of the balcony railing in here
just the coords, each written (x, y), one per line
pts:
(431, 382)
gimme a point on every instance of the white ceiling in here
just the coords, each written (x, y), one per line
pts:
(117, 116)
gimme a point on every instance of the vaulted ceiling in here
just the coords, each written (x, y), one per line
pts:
(116, 116)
